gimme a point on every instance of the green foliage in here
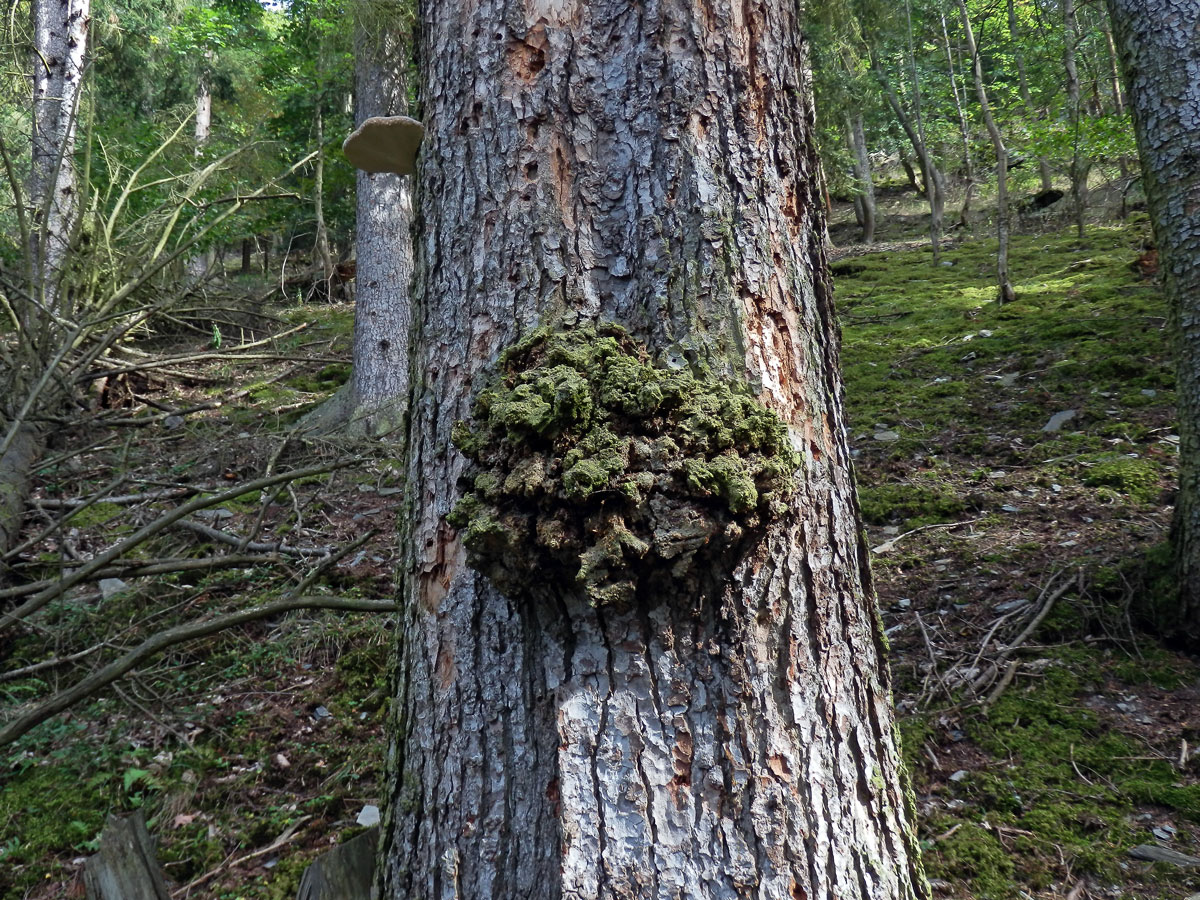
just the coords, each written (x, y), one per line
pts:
(600, 469)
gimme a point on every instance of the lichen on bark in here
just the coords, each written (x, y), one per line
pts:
(604, 472)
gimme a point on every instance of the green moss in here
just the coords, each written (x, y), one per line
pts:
(909, 504)
(975, 855)
(591, 463)
(1135, 477)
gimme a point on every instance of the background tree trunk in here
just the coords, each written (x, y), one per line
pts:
(1005, 293)
(379, 382)
(652, 165)
(865, 186)
(1079, 161)
(60, 29)
(1161, 58)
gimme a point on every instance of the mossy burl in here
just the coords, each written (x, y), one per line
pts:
(599, 470)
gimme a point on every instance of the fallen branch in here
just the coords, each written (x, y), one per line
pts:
(143, 534)
(137, 568)
(889, 546)
(224, 537)
(230, 863)
(172, 636)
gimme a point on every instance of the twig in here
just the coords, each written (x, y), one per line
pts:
(280, 841)
(889, 546)
(155, 644)
(233, 540)
(932, 655)
(137, 568)
(119, 499)
(148, 531)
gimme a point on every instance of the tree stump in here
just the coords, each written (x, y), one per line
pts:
(343, 873)
(125, 867)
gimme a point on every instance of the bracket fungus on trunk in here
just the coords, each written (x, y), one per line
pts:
(385, 144)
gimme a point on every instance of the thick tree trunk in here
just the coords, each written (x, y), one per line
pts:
(864, 184)
(1005, 293)
(379, 382)
(651, 165)
(60, 29)
(1161, 58)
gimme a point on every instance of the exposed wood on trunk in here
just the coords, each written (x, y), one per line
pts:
(652, 165)
(1161, 59)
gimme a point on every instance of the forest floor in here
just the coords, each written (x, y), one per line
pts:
(1015, 467)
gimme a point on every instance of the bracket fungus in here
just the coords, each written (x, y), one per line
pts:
(612, 476)
(385, 144)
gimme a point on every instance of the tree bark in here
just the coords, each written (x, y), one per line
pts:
(379, 381)
(964, 128)
(60, 29)
(1157, 40)
(652, 165)
(1005, 293)
(322, 256)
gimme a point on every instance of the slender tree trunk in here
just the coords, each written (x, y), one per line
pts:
(322, 257)
(1161, 58)
(1005, 292)
(935, 181)
(60, 30)
(1014, 33)
(651, 165)
(198, 265)
(1080, 165)
(964, 128)
(864, 185)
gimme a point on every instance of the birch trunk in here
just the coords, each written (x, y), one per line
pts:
(60, 29)
(652, 165)
(379, 381)
(199, 265)
(964, 130)
(1157, 40)
(1005, 293)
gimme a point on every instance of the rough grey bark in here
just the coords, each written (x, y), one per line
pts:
(865, 199)
(379, 381)
(1161, 58)
(652, 165)
(60, 29)
(1005, 293)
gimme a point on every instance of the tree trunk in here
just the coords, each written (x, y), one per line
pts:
(1079, 161)
(935, 181)
(322, 256)
(864, 185)
(198, 266)
(1014, 33)
(1005, 289)
(379, 382)
(60, 29)
(1157, 40)
(964, 128)
(653, 166)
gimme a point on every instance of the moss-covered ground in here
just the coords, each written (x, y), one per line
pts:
(1036, 767)
(1037, 439)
